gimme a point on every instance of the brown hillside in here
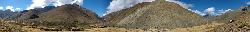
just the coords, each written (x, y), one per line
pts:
(236, 21)
(158, 14)
(66, 17)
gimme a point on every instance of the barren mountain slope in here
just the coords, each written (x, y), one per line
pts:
(158, 14)
(236, 21)
(69, 16)
(115, 17)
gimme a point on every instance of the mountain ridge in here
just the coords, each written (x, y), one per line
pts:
(62, 18)
(157, 14)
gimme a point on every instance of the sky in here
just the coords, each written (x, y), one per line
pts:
(216, 5)
(14, 4)
(97, 6)
(102, 7)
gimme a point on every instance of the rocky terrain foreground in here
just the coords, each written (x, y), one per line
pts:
(156, 16)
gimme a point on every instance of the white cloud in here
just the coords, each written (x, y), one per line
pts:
(198, 12)
(184, 5)
(37, 4)
(117, 5)
(210, 10)
(214, 12)
(43, 3)
(10, 7)
(248, 3)
(62, 2)
(222, 11)
(17, 9)
(1, 8)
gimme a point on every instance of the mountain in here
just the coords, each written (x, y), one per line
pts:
(6, 14)
(29, 14)
(157, 14)
(115, 17)
(62, 17)
(235, 21)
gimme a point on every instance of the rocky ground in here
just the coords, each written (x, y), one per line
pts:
(10, 27)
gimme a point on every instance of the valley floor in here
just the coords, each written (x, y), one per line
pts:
(6, 26)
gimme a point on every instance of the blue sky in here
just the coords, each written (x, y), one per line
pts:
(100, 6)
(218, 4)
(23, 4)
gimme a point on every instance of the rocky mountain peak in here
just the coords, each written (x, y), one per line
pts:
(156, 14)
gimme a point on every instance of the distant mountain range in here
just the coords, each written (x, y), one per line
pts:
(6, 14)
(66, 16)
